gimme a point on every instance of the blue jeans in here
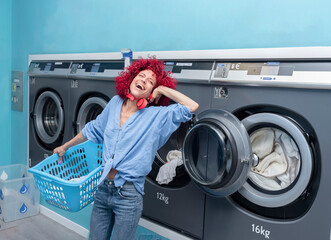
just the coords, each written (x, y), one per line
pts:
(116, 212)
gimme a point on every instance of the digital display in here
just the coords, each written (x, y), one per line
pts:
(269, 70)
(95, 67)
(74, 68)
(48, 66)
(168, 66)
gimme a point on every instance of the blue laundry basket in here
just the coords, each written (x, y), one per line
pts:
(81, 163)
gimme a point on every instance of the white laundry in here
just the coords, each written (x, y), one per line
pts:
(278, 169)
(293, 158)
(168, 171)
(272, 165)
(262, 142)
(175, 154)
(265, 183)
(290, 148)
(76, 179)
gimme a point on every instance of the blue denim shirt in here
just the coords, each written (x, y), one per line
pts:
(131, 149)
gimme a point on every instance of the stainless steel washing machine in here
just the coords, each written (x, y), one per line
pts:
(48, 108)
(180, 204)
(92, 85)
(261, 152)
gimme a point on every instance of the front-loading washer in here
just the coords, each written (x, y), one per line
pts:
(180, 204)
(48, 108)
(261, 152)
(92, 85)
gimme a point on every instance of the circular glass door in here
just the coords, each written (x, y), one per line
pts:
(89, 110)
(285, 161)
(217, 153)
(48, 117)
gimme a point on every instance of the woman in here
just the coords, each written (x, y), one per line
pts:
(130, 137)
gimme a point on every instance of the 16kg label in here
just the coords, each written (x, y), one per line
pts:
(261, 230)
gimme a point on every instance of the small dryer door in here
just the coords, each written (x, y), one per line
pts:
(48, 118)
(217, 153)
(89, 111)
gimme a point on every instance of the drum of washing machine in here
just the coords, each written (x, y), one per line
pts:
(285, 160)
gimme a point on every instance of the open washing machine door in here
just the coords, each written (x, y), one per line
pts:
(222, 156)
(217, 153)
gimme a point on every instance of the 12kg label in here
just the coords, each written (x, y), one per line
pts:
(260, 230)
(162, 197)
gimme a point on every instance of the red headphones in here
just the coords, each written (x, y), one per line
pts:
(142, 102)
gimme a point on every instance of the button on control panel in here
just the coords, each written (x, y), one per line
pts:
(222, 70)
(17, 91)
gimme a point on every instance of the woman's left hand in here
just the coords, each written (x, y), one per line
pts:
(156, 94)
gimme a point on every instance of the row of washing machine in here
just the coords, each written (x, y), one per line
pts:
(63, 97)
(255, 155)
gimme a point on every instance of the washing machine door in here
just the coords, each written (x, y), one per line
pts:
(89, 111)
(48, 117)
(217, 153)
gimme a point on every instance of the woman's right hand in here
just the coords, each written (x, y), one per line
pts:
(60, 151)
(79, 138)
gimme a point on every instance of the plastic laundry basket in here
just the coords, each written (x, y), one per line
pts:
(72, 184)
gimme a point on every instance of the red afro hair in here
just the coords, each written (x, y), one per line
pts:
(163, 78)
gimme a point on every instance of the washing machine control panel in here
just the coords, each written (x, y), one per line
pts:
(96, 69)
(190, 71)
(273, 73)
(259, 70)
(52, 68)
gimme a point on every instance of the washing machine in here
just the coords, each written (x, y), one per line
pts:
(48, 108)
(261, 152)
(92, 85)
(180, 204)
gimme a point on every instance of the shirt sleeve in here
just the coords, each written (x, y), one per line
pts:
(179, 113)
(94, 130)
(173, 116)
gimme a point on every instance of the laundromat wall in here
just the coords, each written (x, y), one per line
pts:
(5, 81)
(85, 26)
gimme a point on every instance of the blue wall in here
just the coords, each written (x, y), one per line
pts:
(72, 26)
(5, 80)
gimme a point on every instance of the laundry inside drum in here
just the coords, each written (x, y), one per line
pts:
(279, 159)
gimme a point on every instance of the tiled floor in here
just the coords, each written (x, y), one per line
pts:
(40, 227)
(145, 234)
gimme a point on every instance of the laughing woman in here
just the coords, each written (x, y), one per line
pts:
(131, 134)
